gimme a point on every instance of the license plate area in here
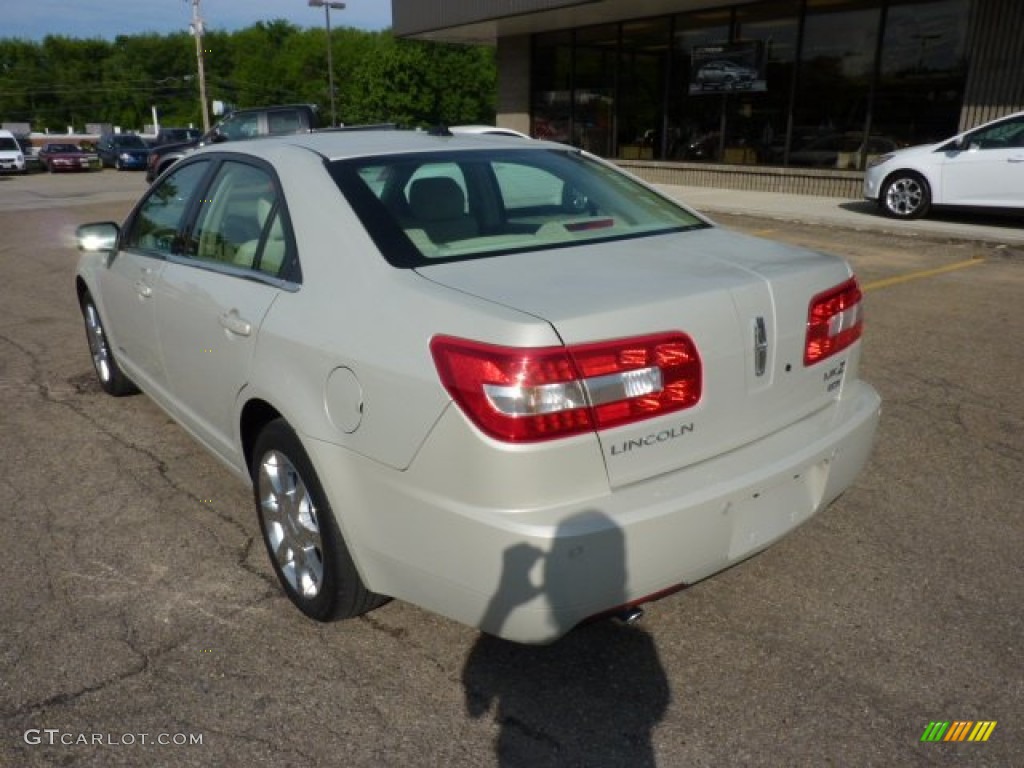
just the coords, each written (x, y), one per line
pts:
(767, 514)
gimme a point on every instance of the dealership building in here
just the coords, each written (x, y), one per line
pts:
(787, 95)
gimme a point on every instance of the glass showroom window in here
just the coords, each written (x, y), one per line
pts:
(762, 118)
(923, 71)
(593, 107)
(643, 66)
(551, 97)
(834, 82)
(695, 121)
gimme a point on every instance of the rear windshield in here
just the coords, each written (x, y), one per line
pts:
(450, 206)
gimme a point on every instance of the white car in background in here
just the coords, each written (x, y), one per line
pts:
(981, 168)
(488, 130)
(517, 405)
(11, 156)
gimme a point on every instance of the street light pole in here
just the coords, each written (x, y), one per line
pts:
(327, 5)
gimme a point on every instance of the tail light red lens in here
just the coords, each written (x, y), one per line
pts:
(835, 320)
(529, 394)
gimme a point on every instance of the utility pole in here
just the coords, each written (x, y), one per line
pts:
(197, 29)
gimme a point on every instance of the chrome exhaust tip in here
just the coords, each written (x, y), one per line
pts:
(631, 616)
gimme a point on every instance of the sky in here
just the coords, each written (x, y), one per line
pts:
(34, 19)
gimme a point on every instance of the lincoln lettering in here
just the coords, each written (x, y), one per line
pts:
(658, 437)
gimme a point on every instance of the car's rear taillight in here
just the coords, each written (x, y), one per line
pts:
(528, 394)
(835, 320)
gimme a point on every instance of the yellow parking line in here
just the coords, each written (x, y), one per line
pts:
(890, 281)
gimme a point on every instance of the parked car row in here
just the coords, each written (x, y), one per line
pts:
(123, 151)
(128, 151)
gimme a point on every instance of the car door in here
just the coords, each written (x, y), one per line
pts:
(214, 296)
(129, 283)
(990, 170)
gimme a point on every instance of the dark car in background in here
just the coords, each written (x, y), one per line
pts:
(238, 125)
(123, 151)
(175, 136)
(65, 156)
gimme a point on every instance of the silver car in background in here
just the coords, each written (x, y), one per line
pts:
(496, 378)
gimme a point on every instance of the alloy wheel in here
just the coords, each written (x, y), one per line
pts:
(98, 347)
(291, 524)
(904, 196)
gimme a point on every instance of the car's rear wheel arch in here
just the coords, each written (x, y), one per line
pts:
(256, 414)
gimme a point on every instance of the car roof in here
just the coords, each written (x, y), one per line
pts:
(341, 144)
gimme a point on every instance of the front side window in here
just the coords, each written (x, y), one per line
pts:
(156, 225)
(1007, 134)
(460, 205)
(240, 127)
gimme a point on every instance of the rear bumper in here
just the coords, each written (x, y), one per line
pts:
(531, 575)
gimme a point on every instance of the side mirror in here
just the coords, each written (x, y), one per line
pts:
(97, 238)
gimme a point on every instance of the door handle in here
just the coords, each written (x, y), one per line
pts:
(236, 324)
(144, 290)
(1015, 159)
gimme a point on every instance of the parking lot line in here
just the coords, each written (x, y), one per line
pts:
(910, 276)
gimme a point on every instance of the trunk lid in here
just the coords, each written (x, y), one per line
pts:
(742, 300)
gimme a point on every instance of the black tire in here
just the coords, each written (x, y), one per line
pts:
(109, 374)
(905, 195)
(301, 535)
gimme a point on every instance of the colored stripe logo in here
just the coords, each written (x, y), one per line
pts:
(959, 730)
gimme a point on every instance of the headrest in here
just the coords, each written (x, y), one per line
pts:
(436, 199)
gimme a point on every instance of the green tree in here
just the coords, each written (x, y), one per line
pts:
(63, 81)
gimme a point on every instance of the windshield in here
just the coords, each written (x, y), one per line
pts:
(449, 206)
(8, 144)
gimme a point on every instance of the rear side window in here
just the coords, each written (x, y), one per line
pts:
(239, 222)
(284, 121)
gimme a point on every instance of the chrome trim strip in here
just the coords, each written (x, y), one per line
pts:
(760, 347)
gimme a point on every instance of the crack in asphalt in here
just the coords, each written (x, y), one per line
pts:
(50, 394)
(36, 382)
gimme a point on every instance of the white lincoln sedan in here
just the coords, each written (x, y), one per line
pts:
(498, 379)
(980, 168)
